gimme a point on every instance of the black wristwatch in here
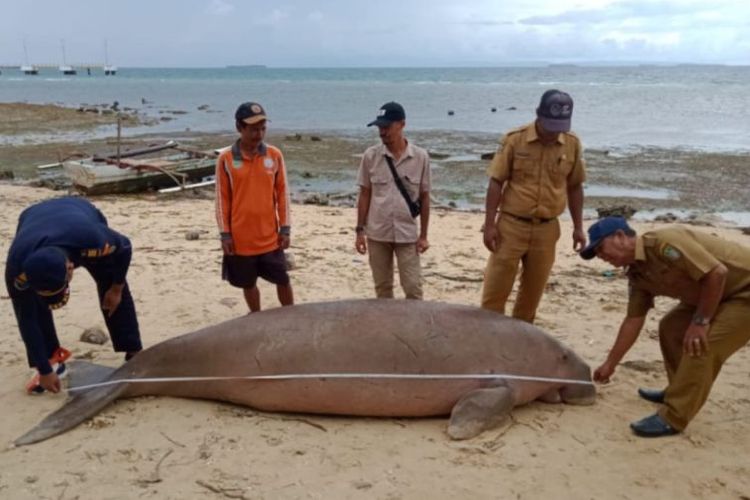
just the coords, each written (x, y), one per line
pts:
(359, 229)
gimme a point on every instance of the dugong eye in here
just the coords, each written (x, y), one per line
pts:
(564, 356)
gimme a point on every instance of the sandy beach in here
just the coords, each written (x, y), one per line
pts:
(159, 447)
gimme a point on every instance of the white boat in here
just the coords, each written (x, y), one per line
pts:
(166, 165)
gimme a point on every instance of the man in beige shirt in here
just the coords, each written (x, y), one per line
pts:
(537, 170)
(387, 212)
(711, 279)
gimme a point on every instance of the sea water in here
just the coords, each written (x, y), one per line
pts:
(616, 108)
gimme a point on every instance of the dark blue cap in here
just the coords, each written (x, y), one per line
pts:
(47, 274)
(389, 112)
(600, 230)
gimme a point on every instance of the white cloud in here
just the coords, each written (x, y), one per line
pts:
(220, 8)
(354, 33)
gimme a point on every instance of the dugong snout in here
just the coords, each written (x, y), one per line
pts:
(577, 369)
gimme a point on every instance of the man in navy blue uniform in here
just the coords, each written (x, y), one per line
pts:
(52, 239)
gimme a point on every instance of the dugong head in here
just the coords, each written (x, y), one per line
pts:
(572, 367)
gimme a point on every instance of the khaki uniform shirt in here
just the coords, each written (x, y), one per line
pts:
(388, 218)
(672, 262)
(537, 175)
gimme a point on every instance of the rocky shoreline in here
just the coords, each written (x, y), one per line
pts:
(670, 184)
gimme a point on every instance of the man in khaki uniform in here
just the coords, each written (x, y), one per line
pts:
(386, 223)
(711, 279)
(537, 170)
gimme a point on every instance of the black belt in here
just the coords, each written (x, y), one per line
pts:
(530, 220)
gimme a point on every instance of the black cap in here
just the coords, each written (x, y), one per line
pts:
(250, 112)
(389, 112)
(600, 230)
(555, 110)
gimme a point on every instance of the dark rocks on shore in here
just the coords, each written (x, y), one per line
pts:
(745, 230)
(203, 107)
(624, 211)
(315, 138)
(316, 199)
(451, 112)
(493, 109)
(667, 217)
(511, 108)
(438, 156)
(307, 175)
(295, 137)
(487, 156)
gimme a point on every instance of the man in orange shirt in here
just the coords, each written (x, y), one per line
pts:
(252, 209)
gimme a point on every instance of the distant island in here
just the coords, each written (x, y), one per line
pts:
(246, 66)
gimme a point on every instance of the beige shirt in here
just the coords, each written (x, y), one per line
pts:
(538, 175)
(388, 218)
(672, 262)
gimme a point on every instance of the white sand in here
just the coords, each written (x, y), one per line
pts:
(159, 447)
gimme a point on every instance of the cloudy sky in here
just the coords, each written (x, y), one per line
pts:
(292, 33)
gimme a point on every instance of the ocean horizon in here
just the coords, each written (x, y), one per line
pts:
(682, 106)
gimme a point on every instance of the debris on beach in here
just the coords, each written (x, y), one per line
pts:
(94, 335)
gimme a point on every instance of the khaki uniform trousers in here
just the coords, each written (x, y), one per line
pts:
(691, 379)
(532, 245)
(409, 270)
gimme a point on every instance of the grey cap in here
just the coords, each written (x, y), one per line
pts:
(555, 111)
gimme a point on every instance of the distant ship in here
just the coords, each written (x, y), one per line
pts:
(246, 66)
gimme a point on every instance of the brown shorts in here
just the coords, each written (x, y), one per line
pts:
(243, 271)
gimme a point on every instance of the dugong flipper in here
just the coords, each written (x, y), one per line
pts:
(480, 410)
(380, 358)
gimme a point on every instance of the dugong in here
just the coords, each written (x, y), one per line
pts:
(389, 358)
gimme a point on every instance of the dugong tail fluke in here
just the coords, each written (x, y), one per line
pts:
(80, 407)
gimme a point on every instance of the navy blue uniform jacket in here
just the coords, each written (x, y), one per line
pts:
(78, 228)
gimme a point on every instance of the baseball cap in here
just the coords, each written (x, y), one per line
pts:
(555, 110)
(47, 275)
(600, 230)
(250, 113)
(389, 112)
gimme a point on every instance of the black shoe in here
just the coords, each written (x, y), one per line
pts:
(653, 426)
(653, 395)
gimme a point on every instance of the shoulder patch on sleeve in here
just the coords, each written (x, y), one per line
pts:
(21, 282)
(93, 253)
(669, 252)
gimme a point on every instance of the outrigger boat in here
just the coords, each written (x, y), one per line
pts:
(170, 165)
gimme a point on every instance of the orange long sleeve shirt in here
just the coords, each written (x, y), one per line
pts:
(252, 199)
